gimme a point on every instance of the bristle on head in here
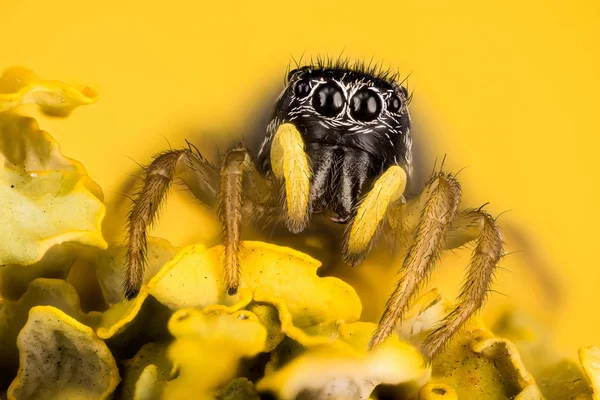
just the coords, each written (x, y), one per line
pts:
(374, 69)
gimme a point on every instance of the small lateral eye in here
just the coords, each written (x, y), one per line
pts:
(394, 103)
(302, 88)
(365, 105)
(328, 99)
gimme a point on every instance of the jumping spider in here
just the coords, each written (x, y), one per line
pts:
(338, 144)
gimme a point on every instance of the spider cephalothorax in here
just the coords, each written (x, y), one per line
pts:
(339, 144)
(354, 126)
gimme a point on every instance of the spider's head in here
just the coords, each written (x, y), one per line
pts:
(355, 124)
(348, 107)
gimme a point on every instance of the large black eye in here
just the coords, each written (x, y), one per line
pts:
(394, 103)
(302, 88)
(365, 105)
(328, 99)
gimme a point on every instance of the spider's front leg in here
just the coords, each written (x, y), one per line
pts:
(239, 174)
(433, 222)
(197, 173)
(442, 200)
(237, 189)
(469, 225)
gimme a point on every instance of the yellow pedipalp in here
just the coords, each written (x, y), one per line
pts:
(290, 162)
(388, 188)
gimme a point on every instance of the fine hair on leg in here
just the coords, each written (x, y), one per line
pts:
(148, 200)
(480, 274)
(437, 214)
(238, 176)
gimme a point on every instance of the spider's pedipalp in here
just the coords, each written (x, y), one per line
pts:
(290, 164)
(386, 192)
(159, 176)
(484, 259)
(436, 216)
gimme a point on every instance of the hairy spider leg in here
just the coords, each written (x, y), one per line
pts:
(443, 198)
(433, 223)
(473, 225)
(202, 179)
(237, 189)
(239, 178)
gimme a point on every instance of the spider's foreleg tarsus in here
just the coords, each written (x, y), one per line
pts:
(443, 198)
(197, 173)
(484, 259)
(237, 173)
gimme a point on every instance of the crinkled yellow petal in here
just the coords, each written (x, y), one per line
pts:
(147, 373)
(271, 274)
(45, 198)
(174, 286)
(111, 271)
(194, 278)
(207, 350)
(13, 316)
(191, 279)
(56, 263)
(19, 85)
(475, 364)
(557, 378)
(590, 361)
(131, 324)
(148, 385)
(269, 318)
(511, 371)
(284, 273)
(346, 370)
(564, 380)
(60, 358)
(315, 335)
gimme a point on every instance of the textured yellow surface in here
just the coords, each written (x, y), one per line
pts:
(306, 322)
(508, 90)
(75, 364)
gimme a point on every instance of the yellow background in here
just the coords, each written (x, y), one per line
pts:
(508, 90)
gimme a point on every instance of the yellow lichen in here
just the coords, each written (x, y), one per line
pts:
(146, 374)
(13, 316)
(61, 358)
(590, 361)
(19, 85)
(342, 368)
(475, 364)
(288, 331)
(203, 338)
(45, 198)
(272, 274)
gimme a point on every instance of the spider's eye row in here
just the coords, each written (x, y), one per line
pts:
(328, 99)
(394, 103)
(365, 105)
(302, 88)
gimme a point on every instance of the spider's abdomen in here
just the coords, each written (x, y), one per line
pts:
(340, 176)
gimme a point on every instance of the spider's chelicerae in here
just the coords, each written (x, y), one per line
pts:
(338, 144)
